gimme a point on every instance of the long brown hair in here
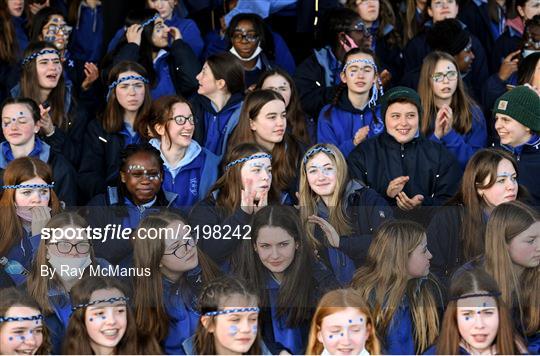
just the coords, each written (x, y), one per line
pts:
(211, 300)
(150, 313)
(38, 286)
(18, 171)
(483, 164)
(9, 46)
(31, 89)
(13, 297)
(113, 117)
(522, 291)
(461, 101)
(384, 281)
(336, 301)
(229, 184)
(285, 153)
(77, 341)
(470, 282)
(309, 200)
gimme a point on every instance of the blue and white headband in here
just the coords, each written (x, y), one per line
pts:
(110, 300)
(34, 55)
(473, 295)
(374, 93)
(28, 186)
(123, 79)
(232, 311)
(149, 21)
(249, 158)
(314, 150)
(21, 318)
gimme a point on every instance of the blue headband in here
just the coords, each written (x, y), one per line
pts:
(317, 150)
(21, 318)
(149, 21)
(123, 79)
(29, 186)
(110, 300)
(33, 56)
(374, 95)
(472, 295)
(232, 311)
(249, 158)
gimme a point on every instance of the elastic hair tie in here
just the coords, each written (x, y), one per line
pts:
(123, 79)
(33, 56)
(18, 186)
(249, 158)
(375, 94)
(232, 311)
(21, 318)
(110, 300)
(464, 296)
(149, 21)
(317, 150)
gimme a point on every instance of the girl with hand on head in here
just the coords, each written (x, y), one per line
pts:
(343, 209)
(62, 122)
(189, 169)
(61, 260)
(21, 325)
(27, 204)
(229, 323)
(264, 120)
(298, 124)
(451, 116)
(456, 232)
(281, 265)
(230, 204)
(171, 68)
(165, 300)
(354, 115)
(397, 284)
(102, 322)
(128, 101)
(218, 102)
(343, 325)
(477, 320)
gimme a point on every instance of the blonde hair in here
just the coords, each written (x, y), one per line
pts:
(336, 301)
(309, 199)
(384, 282)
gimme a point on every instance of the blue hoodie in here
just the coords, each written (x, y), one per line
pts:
(86, 43)
(165, 85)
(192, 177)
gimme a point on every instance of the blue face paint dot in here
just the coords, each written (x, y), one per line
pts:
(233, 329)
(466, 318)
(10, 338)
(341, 334)
(254, 329)
(485, 304)
(91, 319)
(350, 321)
(331, 336)
(103, 317)
(361, 320)
(23, 338)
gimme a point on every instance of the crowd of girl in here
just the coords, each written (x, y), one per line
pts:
(321, 205)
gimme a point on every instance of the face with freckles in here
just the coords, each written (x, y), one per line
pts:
(344, 332)
(401, 121)
(49, 70)
(105, 322)
(478, 323)
(21, 337)
(30, 197)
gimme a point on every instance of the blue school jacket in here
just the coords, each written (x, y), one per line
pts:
(338, 124)
(86, 43)
(464, 146)
(400, 334)
(192, 177)
(20, 33)
(23, 252)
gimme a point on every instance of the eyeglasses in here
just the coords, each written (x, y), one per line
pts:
(360, 26)
(54, 29)
(238, 37)
(65, 247)
(140, 174)
(181, 251)
(21, 120)
(181, 119)
(450, 75)
(439, 4)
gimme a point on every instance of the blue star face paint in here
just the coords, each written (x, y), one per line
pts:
(233, 330)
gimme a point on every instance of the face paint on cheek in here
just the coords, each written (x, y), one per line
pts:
(50, 38)
(233, 330)
(254, 329)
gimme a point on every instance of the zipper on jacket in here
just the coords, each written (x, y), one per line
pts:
(402, 151)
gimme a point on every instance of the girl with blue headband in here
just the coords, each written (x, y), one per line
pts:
(244, 188)
(354, 114)
(21, 325)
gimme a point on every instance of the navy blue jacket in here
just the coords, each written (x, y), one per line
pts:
(507, 43)
(390, 56)
(100, 159)
(432, 350)
(176, 68)
(432, 170)
(475, 15)
(338, 124)
(19, 23)
(24, 253)
(64, 175)
(464, 146)
(192, 177)
(86, 42)
(213, 129)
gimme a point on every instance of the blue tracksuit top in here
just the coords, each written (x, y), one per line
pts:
(344, 121)
(464, 146)
(192, 177)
